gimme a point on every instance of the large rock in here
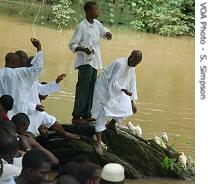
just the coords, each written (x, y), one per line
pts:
(140, 157)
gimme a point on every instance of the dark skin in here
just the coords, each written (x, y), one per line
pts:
(92, 14)
(28, 142)
(34, 176)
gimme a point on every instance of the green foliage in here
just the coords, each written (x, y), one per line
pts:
(63, 13)
(165, 17)
(171, 165)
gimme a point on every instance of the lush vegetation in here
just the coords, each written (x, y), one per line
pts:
(165, 17)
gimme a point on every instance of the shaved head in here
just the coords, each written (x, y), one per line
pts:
(135, 58)
(12, 60)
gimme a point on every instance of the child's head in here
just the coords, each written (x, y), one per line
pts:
(91, 9)
(90, 173)
(22, 122)
(135, 58)
(23, 57)
(7, 128)
(66, 179)
(12, 60)
(7, 102)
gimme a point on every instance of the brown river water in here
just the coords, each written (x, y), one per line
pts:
(165, 78)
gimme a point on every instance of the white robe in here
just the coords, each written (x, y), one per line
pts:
(17, 83)
(108, 97)
(38, 118)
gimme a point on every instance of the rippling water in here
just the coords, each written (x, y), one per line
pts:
(165, 78)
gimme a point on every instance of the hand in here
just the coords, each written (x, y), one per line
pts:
(88, 51)
(40, 108)
(60, 78)
(134, 109)
(127, 92)
(43, 131)
(36, 43)
(108, 35)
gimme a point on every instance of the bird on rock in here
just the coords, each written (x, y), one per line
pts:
(183, 160)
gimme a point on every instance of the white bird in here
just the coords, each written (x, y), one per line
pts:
(159, 141)
(164, 137)
(131, 127)
(138, 131)
(182, 160)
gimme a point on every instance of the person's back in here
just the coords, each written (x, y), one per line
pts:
(16, 82)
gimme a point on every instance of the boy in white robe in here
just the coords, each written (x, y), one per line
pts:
(114, 93)
(17, 82)
(85, 43)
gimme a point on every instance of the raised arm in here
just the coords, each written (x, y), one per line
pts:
(30, 74)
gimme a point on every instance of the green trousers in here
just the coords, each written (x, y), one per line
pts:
(84, 91)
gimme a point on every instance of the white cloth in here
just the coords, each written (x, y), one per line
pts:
(102, 120)
(17, 82)
(108, 99)
(42, 89)
(38, 118)
(88, 35)
(9, 172)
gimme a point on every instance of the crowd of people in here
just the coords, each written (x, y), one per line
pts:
(110, 95)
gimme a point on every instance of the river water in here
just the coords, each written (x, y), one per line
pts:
(165, 78)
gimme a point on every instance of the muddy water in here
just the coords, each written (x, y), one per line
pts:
(165, 78)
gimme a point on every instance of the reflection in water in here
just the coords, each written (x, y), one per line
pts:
(165, 78)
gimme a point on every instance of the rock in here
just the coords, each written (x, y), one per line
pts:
(140, 157)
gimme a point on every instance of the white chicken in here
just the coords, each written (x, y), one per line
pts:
(164, 137)
(138, 131)
(182, 160)
(131, 127)
(159, 141)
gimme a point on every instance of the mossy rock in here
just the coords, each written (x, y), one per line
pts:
(139, 157)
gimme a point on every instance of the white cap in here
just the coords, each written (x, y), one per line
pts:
(113, 172)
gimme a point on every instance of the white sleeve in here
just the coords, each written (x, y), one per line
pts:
(30, 74)
(47, 89)
(103, 30)
(48, 120)
(132, 87)
(76, 38)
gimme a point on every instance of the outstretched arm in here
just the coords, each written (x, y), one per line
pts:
(66, 135)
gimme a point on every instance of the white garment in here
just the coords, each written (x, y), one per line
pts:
(38, 118)
(102, 120)
(108, 99)
(88, 35)
(17, 82)
(9, 172)
(42, 89)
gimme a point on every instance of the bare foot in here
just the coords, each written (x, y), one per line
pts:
(71, 136)
(98, 149)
